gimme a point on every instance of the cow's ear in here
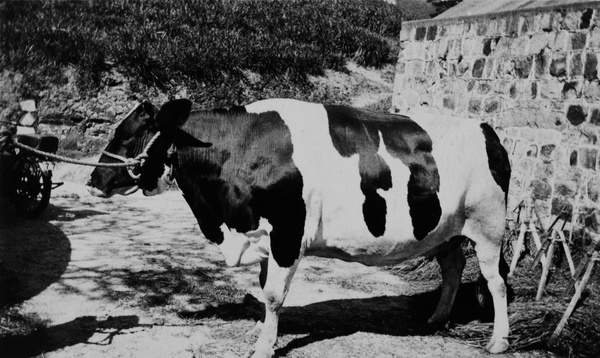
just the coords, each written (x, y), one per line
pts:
(183, 139)
(173, 114)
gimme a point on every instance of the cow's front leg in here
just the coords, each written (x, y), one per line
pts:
(452, 263)
(275, 290)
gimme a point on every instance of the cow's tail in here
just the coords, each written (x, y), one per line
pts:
(499, 166)
(497, 158)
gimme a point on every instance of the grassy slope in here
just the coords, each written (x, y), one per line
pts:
(224, 51)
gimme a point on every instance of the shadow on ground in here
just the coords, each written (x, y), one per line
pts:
(64, 335)
(33, 255)
(388, 315)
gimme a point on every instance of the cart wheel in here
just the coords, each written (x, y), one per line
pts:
(32, 188)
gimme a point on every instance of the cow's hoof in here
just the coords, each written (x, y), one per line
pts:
(497, 345)
(438, 323)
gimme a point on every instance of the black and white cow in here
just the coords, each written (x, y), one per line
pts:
(278, 179)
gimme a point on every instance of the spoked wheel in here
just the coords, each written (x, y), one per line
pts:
(32, 187)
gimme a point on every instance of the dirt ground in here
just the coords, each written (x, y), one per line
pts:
(133, 277)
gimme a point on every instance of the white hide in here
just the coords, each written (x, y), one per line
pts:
(335, 181)
(242, 249)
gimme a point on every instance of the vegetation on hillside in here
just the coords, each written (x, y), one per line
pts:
(220, 49)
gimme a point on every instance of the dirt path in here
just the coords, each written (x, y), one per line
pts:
(133, 277)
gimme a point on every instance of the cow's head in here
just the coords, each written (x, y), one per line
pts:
(131, 138)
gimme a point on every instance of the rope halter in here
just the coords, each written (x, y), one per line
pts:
(138, 161)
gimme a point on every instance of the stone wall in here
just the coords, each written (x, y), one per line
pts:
(533, 75)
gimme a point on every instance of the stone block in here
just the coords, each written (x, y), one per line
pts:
(406, 33)
(591, 66)
(441, 48)
(540, 190)
(482, 29)
(401, 67)
(524, 166)
(523, 66)
(470, 29)
(420, 33)
(591, 91)
(472, 47)
(484, 87)
(588, 157)
(558, 66)
(518, 46)
(576, 114)
(490, 69)
(577, 41)
(502, 48)
(512, 25)
(415, 67)
(449, 103)
(414, 51)
(594, 38)
(567, 182)
(462, 67)
(571, 20)
(492, 28)
(550, 88)
(432, 69)
(455, 48)
(478, 67)
(542, 64)
(586, 18)
(544, 171)
(475, 105)
(538, 42)
(560, 204)
(513, 91)
(560, 41)
(455, 29)
(532, 152)
(527, 24)
(593, 189)
(505, 68)
(545, 22)
(573, 158)
(575, 65)
(461, 104)
(508, 144)
(442, 31)
(431, 32)
(459, 87)
(557, 18)
(571, 90)
(595, 116)
(492, 105)
(502, 86)
(548, 155)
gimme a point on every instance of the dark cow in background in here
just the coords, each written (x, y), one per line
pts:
(279, 179)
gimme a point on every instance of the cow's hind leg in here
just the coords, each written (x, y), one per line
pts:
(452, 262)
(275, 289)
(488, 248)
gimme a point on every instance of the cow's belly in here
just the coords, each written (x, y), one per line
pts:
(391, 248)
